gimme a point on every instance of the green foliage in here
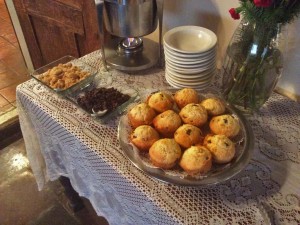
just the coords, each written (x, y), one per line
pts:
(281, 11)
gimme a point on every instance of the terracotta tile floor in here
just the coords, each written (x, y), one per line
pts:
(13, 70)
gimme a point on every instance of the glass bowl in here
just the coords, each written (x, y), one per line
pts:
(74, 95)
(75, 62)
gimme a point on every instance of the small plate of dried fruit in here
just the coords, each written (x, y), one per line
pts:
(103, 102)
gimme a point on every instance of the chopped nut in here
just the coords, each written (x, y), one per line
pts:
(67, 73)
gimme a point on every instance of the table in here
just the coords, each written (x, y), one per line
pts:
(62, 140)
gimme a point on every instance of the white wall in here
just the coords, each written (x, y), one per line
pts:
(290, 80)
(213, 14)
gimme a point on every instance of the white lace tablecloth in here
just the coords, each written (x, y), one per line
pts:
(63, 140)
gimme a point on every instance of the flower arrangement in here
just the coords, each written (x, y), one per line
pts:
(267, 11)
(254, 59)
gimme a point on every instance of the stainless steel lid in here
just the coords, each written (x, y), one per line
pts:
(128, 2)
(135, 19)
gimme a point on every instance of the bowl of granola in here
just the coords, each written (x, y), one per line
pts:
(65, 75)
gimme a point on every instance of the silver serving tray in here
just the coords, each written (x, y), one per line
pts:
(219, 173)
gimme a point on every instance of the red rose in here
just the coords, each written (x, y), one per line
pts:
(263, 3)
(234, 14)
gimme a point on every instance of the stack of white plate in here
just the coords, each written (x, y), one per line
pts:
(190, 54)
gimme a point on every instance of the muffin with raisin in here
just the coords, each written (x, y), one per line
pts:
(188, 135)
(165, 153)
(143, 137)
(167, 123)
(186, 96)
(160, 101)
(221, 147)
(213, 106)
(225, 124)
(196, 160)
(194, 114)
(141, 114)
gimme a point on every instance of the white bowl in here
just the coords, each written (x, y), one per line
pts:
(178, 85)
(190, 73)
(199, 74)
(190, 39)
(189, 55)
(190, 77)
(186, 81)
(194, 83)
(186, 70)
(179, 64)
(189, 60)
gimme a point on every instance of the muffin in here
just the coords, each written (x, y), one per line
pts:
(186, 96)
(213, 106)
(196, 160)
(194, 114)
(167, 123)
(164, 153)
(143, 137)
(188, 135)
(225, 124)
(221, 147)
(160, 101)
(141, 114)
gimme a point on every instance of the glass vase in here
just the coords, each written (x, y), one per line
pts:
(253, 64)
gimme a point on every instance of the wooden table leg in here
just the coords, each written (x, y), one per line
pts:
(75, 201)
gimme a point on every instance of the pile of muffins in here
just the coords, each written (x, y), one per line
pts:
(182, 129)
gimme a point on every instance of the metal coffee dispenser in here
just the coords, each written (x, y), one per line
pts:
(123, 25)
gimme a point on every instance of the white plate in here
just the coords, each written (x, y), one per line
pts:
(188, 78)
(196, 80)
(188, 61)
(180, 85)
(190, 73)
(190, 70)
(178, 64)
(190, 39)
(188, 83)
(189, 55)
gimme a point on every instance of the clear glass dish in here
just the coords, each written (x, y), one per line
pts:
(75, 62)
(75, 94)
(219, 173)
